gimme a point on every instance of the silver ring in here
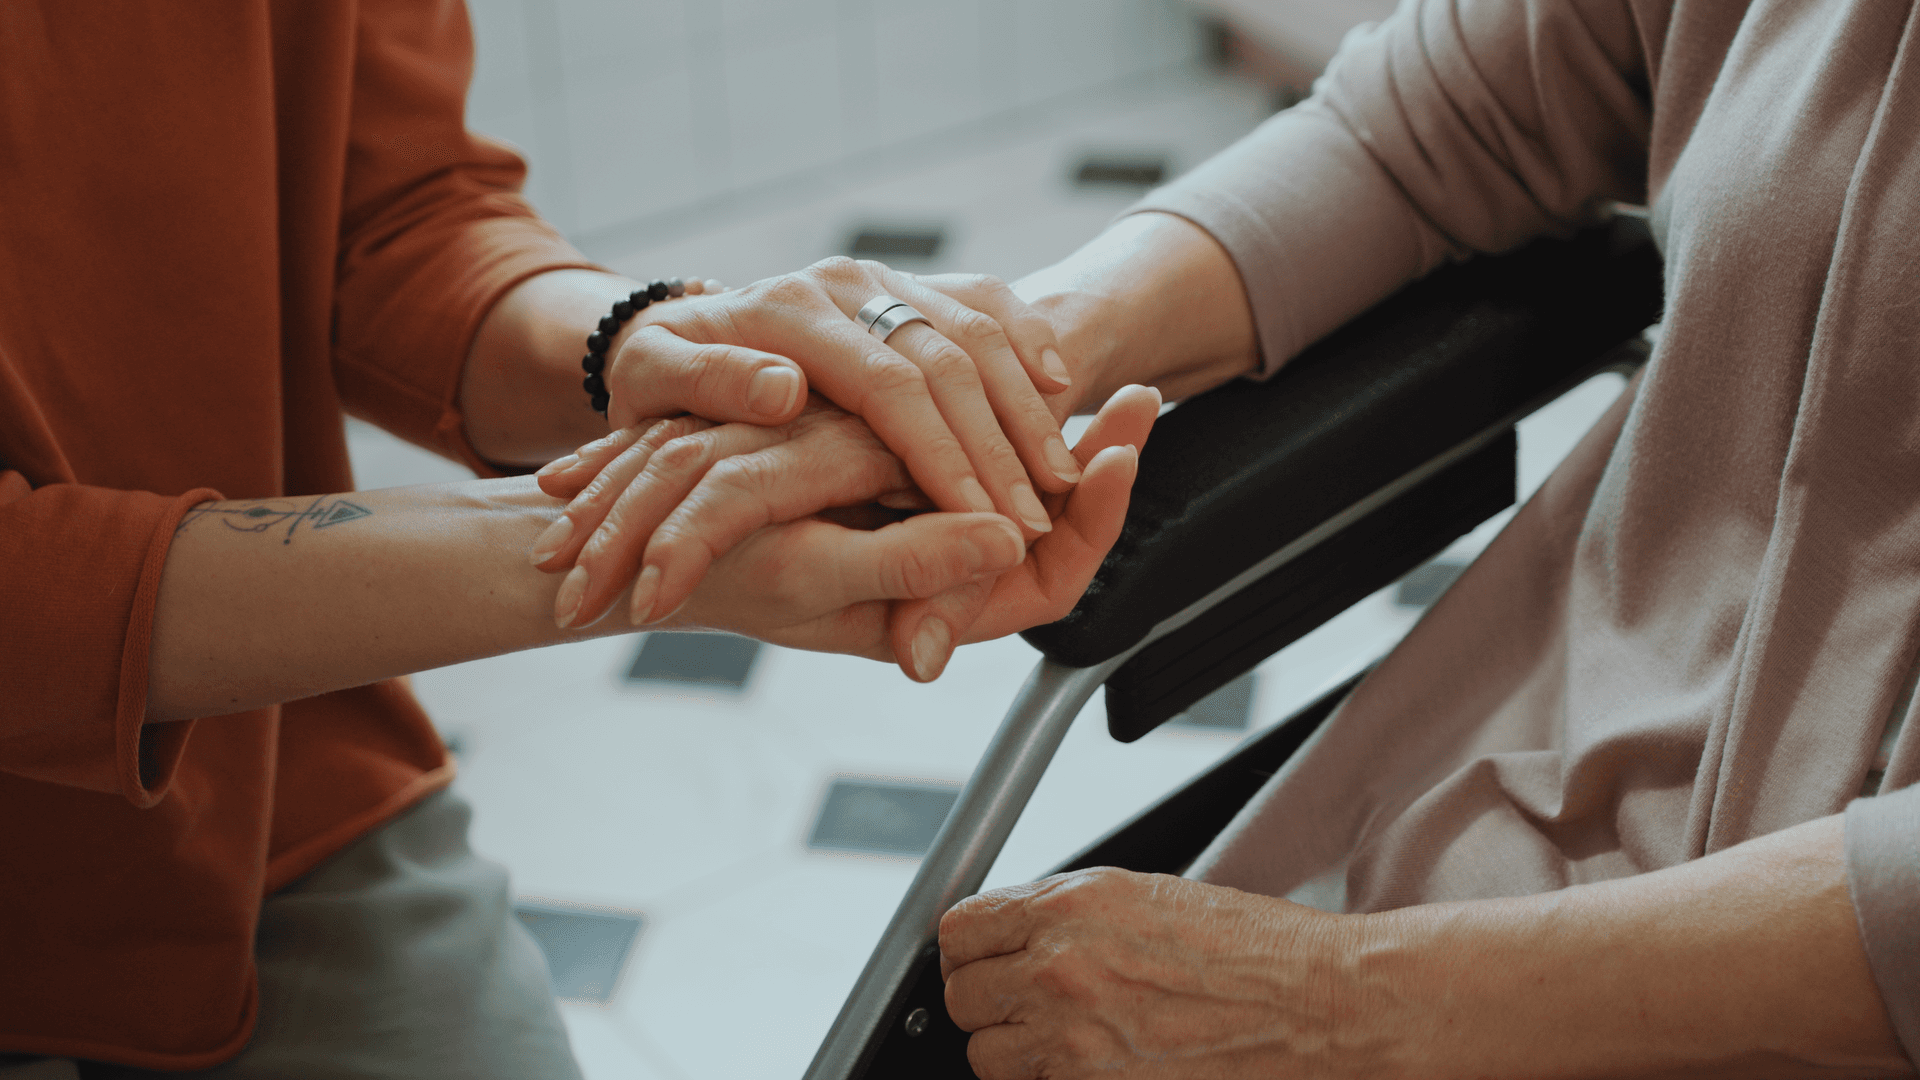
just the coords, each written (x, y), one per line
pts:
(893, 319)
(877, 307)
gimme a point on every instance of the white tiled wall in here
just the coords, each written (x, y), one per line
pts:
(632, 111)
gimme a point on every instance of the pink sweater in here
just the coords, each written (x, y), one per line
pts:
(1700, 629)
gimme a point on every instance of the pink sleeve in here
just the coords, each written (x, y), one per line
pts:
(1451, 128)
(79, 574)
(1883, 874)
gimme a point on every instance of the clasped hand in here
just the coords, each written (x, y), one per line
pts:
(804, 532)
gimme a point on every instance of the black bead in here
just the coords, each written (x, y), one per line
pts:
(593, 363)
(609, 325)
(623, 310)
(657, 290)
(639, 298)
(600, 403)
(594, 385)
(597, 342)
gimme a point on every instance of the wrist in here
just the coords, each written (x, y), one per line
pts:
(1153, 300)
(520, 394)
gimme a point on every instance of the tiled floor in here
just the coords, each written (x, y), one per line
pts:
(693, 805)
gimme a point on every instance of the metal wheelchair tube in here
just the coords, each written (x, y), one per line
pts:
(975, 831)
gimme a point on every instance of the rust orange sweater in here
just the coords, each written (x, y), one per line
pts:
(221, 227)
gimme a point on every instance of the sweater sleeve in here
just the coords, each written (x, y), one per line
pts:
(433, 228)
(79, 573)
(1883, 874)
(1453, 127)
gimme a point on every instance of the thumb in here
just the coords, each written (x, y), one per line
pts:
(660, 373)
(922, 556)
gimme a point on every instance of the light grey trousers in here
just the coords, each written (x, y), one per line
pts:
(398, 957)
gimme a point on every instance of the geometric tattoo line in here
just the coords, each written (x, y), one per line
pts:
(264, 516)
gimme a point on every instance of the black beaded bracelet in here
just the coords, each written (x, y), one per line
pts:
(595, 362)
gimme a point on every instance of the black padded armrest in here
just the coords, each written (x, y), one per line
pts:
(1234, 475)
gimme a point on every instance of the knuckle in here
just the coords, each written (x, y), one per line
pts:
(680, 455)
(748, 474)
(665, 431)
(999, 457)
(915, 573)
(787, 290)
(977, 327)
(710, 372)
(838, 269)
(982, 283)
(891, 373)
(948, 362)
(1057, 974)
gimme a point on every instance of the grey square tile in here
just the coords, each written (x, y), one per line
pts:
(720, 660)
(585, 947)
(1122, 170)
(1226, 709)
(891, 243)
(887, 817)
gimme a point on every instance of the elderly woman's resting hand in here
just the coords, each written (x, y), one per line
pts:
(1744, 963)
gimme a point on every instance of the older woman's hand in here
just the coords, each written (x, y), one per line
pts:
(927, 631)
(1110, 973)
(958, 400)
(663, 508)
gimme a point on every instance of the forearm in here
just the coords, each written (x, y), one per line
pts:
(273, 600)
(1745, 963)
(520, 392)
(1152, 300)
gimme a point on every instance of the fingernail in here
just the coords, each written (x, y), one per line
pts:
(645, 590)
(1061, 460)
(559, 465)
(550, 542)
(566, 605)
(995, 547)
(1030, 510)
(975, 496)
(772, 390)
(1055, 368)
(929, 647)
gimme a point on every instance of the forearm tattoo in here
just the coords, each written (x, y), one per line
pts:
(270, 515)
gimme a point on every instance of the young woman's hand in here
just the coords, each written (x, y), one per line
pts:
(957, 398)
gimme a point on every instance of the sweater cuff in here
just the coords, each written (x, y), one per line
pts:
(1883, 874)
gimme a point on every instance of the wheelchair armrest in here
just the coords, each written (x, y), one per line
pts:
(1402, 416)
